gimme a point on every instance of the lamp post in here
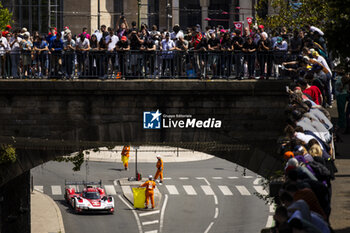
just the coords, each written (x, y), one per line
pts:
(98, 14)
(138, 14)
(167, 15)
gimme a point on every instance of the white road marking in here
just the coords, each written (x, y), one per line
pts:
(162, 213)
(260, 189)
(110, 190)
(183, 178)
(272, 208)
(172, 189)
(203, 178)
(232, 177)
(167, 178)
(225, 190)
(126, 189)
(247, 177)
(216, 200)
(216, 212)
(217, 178)
(257, 181)
(190, 190)
(208, 228)
(39, 188)
(150, 223)
(115, 182)
(134, 212)
(269, 221)
(149, 213)
(243, 190)
(207, 190)
(155, 231)
(56, 190)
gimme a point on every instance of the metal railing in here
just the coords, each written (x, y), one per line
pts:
(140, 64)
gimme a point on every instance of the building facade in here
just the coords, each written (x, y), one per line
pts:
(41, 14)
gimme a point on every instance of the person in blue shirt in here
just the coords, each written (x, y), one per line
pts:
(51, 36)
(56, 48)
(41, 49)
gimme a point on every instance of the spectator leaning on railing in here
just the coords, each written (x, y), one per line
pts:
(213, 53)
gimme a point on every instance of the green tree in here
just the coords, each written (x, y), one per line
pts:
(293, 14)
(337, 29)
(5, 17)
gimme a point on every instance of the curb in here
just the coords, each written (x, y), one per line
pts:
(57, 209)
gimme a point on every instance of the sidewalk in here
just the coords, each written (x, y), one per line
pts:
(147, 154)
(46, 217)
(340, 213)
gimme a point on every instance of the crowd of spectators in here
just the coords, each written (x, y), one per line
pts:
(303, 202)
(127, 51)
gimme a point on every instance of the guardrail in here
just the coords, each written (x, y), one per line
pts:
(141, 64)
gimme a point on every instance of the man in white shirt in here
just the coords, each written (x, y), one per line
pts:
(82, 46)
(111, 40)
(4, 46)
(167, 46)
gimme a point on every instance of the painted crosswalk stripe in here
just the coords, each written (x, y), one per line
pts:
(110, 190)
(207, 190)
(172, 189)
(149, 213)
(39, 188)
(232, 177)
(217, 178)
(155, 231)
(150, 222)
(126, 189)
(167, 178)
(225, 190)
(269, 222)
(257, 181)
(243, 190)
(247, 177)
(190, 190)
(56, 190)
(183, 178)
(261, 190)
(272, 208)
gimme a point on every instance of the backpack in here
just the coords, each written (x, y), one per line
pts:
(321, 172)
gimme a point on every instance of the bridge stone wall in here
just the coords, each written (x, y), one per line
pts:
(252, 115)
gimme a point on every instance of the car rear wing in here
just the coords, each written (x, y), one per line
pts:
(85, 183)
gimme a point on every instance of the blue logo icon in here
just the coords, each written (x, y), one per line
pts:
(152, 120)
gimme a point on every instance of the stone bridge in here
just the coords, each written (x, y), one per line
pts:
(44, 119)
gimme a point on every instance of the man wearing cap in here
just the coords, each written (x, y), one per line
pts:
(122, 46)
(160, 167)
(150, 186)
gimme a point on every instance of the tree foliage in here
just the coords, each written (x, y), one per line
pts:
(7, 154)
(77, 160)
(5, 17)
(338, 27)
(294, 14)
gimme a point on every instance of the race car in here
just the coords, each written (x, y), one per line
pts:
(92, 198)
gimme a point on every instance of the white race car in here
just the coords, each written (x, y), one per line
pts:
(90, 199)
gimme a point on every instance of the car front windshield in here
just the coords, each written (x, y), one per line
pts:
(91, 195)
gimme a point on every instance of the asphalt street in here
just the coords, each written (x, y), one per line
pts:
(205, 196)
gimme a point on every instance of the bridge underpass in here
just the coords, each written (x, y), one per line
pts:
(46, 119)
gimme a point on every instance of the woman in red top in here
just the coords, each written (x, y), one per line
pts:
(312, 91)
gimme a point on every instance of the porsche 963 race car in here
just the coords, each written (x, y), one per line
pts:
(92, 198)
